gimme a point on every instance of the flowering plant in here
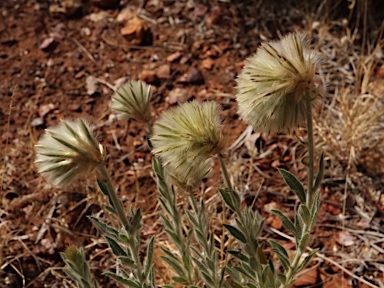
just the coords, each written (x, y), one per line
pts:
(275, 92)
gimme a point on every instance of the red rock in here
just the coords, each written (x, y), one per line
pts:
(135, 31)
(177, 95)
(48, 43)
(207, 63)
(309, 278)
(194, 76)
(45, 109)
(163, 71)
(173, 57)
(148, 76)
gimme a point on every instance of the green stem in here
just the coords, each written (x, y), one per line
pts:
(240, 215)
(118, 206)
(310, 151)
(225, 173)
(309, 200)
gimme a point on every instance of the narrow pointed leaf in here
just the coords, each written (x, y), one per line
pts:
(286, 222)
(116, 248)
(227, 199)
(236, 233)
(320, 173)
(174, 265)
(180, 280)
(304, 213)
(104, 227)
(306, 260)
(127, 262)
(148, 260)
(239, 255)
(294, 184)
(122, 280)
(315, 209)
(281, 253)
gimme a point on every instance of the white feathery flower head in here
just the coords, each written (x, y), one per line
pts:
(187, 136)
(66, 151)
(132, 101)
(274, 82)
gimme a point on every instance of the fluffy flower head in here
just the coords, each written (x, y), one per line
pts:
(187, 136)
(273, 84)
(132, 101)
(66, 151)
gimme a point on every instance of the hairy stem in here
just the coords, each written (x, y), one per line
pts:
(311, 155)
(118, 206)
(225, 173)
(310, 193)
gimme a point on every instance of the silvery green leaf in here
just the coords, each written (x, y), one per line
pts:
(227, 198)
(306, 260)
(268, 277)
(192, 218)
(271, 266)
(116, 248)
(304, 213)
(236, 233)
(174, 237)
(286, 222)
(207, 279)
(135, 222)
(167, 224)
(111, 209)
(124, 237)
(170, 255)
(298, 226)
(239, 255)
(247, 272)
(320, 173)
(148, 261)
(164, 206)
(104, 227)
(199, 264)
(282, 278)
(304, 242)
(222, 277)
(128, 262)
(102, 187)
(180, 280)
(122, 280)
(315, 209)
(281, 253)
(261, 256)
(152, 278)
(105, 191)
(294, 184)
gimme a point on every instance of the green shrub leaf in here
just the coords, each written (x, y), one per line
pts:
(293, 184)
(236, 233)
(286, 222)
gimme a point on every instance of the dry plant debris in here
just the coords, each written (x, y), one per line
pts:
(60, 63)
